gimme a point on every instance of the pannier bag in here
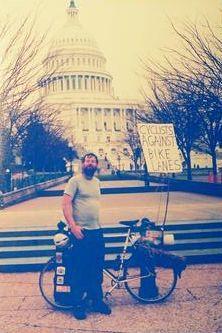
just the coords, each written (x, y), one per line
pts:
(63, 269)
(149, 255)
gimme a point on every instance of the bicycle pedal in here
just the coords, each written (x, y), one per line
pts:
(107, 294)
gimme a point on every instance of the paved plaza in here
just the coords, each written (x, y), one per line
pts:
(46, 211)
(194, 307)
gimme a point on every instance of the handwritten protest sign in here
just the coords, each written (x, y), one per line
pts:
(160, 148)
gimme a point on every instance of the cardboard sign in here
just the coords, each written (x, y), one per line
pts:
(160, 148)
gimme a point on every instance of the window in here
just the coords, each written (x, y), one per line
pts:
(67, 83)
(54, 84)
(61, 82)
(80, 82)
(98, 119)
(85, 119)
(86, 82)
(129, 120)
(116, 115)
(107, 119)
(73, 82)
(98, 83)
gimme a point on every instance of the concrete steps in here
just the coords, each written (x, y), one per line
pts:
(28, 250)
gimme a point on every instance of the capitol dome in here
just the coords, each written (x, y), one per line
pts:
(73, 37)
(77, 82)
(77, 63)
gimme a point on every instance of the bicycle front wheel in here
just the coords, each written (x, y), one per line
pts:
(46, 284)
(149, 287)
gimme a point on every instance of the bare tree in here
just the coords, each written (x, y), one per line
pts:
(187, 91)
(133, 143)
(203, 60)
(21, 70)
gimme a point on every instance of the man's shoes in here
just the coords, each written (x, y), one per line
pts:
(79, 312)
(101, 307)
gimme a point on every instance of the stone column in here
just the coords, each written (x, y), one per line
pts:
(91, 83)
(112, 120)
(122, 119)
(102, 118)
(91, 120)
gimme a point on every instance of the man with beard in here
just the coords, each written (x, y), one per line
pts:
(81, 210)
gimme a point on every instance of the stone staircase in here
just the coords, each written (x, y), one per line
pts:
(28, 250)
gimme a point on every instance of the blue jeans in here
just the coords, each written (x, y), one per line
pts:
(87, 271)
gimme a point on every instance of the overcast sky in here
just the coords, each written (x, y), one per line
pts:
(125, 30)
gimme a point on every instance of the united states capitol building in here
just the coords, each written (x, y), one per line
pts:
(81, 87)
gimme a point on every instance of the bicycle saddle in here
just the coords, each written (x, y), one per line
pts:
(129, 223)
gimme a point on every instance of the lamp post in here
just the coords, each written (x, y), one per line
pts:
(118, 159)
(8, 179)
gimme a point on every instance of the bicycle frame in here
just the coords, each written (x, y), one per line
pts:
(116, 280)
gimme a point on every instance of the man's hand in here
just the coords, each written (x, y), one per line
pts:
(77, 231)
(68, 214)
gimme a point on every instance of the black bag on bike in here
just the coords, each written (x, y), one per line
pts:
(148, 258)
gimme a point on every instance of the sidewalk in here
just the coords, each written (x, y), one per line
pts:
(194, 307)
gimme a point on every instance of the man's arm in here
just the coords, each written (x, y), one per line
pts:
(68, 214)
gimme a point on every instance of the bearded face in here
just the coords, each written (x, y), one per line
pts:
(89, 166)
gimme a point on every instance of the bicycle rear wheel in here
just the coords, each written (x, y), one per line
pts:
(149, 287)
(46, 284)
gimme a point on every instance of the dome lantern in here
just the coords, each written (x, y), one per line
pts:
(72, 11)
(72, 4)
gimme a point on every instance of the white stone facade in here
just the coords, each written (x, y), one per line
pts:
(82, 89)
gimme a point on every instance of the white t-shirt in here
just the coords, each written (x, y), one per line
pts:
(85, 194)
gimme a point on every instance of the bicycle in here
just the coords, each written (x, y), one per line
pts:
(127, 272)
